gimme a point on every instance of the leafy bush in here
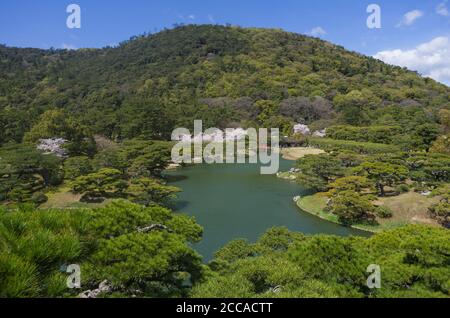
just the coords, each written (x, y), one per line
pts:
(441, 211)
(35, 244)
(358, 147)
(373, 134)
(25, 171)
(148, 191)
(38, 198)
(133, 247)
(102, 184)
(402, 188)
(352, 207)
(382, 174)
(77, 166)
(329, 266)
(318, 170)
(384, 212)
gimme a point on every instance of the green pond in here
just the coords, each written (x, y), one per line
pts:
(234, 201)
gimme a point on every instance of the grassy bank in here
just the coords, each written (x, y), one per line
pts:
(315, 205)
(296, 153)
(408, 208)
(63, 198)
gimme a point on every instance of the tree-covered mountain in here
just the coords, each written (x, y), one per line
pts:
(68, 195)
(225, 75)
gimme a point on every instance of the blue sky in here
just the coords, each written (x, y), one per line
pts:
(409, 27)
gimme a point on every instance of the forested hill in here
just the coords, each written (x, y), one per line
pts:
(225, 75)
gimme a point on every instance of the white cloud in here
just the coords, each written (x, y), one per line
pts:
(186, 18)
(410, 17)
(317, 32)
(432, 59)
(211, 18)
(442, 9)
(68, 46)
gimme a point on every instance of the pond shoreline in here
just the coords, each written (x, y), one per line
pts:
(234, 201)
(303, 204)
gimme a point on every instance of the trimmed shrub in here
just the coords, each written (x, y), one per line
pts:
(402, 188)
(39, 198)
(358, 147)
(375, 134)
(383, 212)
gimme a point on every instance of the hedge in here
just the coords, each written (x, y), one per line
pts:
(358, 147)
(374, 134)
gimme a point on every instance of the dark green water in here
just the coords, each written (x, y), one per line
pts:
(235, 201)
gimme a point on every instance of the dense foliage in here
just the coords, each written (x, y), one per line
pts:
(144, 252)
(354, 181)
(115, 108)
(138, 250)
(130, 170)
(25, 172)
(413, 261)
(152, 83)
